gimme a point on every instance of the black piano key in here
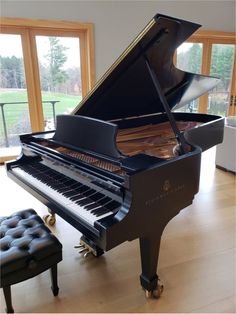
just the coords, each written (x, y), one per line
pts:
(82, 195)
(64, 188)
(76, 197)
(73, 194)
(50, 182)
(112, 205)
(84, 202)
(91, 206)
(104, 200)
(96, 209)
(57, 186)
(83, 189)
(52, 179)
(78, 200)
(78, 189)
(100, 211)
(68, 181)
(76, 185)
(67, 187)
(89, 192)
(84, 198)
(69, 193)
(109, 206)
(97, 196)
(54, 176)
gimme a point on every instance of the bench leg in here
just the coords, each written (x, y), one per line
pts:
(54, 287)
(7, 295)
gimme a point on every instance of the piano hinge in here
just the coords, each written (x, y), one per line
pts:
(137, 117)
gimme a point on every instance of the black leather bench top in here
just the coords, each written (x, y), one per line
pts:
(25, 241)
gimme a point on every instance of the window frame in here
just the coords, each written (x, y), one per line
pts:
(28, 29)
(207, 39)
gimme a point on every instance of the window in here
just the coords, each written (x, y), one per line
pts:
(211, 53)
(15, 118)
(60, 75)
(189, 58)
(46, 69)
(222, 60)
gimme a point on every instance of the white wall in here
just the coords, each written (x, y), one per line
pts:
(118, 22)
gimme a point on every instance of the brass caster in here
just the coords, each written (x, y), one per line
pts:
(158, 291)
(148, 294)
(155, 293)
(49, 219)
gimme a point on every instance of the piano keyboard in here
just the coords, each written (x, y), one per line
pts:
(87, 203)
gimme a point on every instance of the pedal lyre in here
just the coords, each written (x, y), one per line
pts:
(87, 247)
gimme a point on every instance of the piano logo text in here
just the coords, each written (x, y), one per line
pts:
(167, 189)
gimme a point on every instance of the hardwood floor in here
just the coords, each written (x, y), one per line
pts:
(196, 265)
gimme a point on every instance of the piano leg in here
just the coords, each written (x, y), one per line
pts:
(149, 250)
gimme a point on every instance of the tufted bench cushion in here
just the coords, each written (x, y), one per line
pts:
(27, 248)
(25, 241)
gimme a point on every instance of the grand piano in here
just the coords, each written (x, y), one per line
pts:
(125, 162)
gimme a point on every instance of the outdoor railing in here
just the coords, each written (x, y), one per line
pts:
(2, 104)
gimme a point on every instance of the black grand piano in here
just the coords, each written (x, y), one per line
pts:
(125, 162)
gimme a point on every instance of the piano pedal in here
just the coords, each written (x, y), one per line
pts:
(50, 219)
(156, 293)
(80, 246)
(88, 247)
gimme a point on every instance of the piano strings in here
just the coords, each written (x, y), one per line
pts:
(153, 139)
(84, 157)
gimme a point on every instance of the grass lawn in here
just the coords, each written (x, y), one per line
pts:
(17, 116)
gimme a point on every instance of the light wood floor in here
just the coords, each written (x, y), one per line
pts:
(197, 259)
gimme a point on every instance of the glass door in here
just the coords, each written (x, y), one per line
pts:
(60, 76)
(222, 60)
(14, 108)
(45, 69)
(189, 58)
(232, 105)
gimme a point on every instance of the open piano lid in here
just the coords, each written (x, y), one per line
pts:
(127, 90)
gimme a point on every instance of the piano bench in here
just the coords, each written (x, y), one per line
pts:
(27, 248)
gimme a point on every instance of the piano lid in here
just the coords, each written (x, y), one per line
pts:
(127, 90)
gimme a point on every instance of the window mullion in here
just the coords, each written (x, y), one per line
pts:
(84, 66)
(206, 66)
(32, 81)
(232, 104)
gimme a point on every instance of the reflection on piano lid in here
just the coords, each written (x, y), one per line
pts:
(127, 90)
